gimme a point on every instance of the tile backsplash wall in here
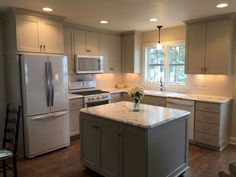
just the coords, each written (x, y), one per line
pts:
(108, 81)
(103, 81)
(219, 85)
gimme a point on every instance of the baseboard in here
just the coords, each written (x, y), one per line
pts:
(233, 140)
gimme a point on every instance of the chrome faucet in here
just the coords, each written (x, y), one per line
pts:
(162, 86)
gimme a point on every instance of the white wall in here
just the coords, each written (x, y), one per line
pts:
(2, 91)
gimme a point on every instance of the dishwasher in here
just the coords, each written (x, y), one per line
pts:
(187, 105)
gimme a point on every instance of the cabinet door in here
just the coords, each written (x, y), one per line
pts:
(104, 47)
(218, 47)
(28, 33)
(74, 121)
(132, 149)
(92, 40)
(115, 53)
(90, 142)
(80, 42)
(108, 148)
(69, 48)
(128, 53)
(52, 33)
(195, 51)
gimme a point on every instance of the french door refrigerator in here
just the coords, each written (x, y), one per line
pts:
(44, 85)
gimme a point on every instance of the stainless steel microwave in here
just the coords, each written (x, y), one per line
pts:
(85, 64)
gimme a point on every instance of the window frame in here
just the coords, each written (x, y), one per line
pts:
(166, 63)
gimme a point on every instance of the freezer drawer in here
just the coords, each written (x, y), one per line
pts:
(46, 133)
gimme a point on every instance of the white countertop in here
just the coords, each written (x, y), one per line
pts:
(74, 96)
(186, 96)
(148, 117)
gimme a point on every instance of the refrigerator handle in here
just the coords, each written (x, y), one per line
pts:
(47, 84)
(52, 84)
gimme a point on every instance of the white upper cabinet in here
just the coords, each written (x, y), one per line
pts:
(92, 39)
(115, 53)
(195, 48)
(26, 31)
(209, 45)
(131, 52)
(86, 43)
(69, 48)
(219, 47)
(52, 34)
(104, 50)
(110, 49)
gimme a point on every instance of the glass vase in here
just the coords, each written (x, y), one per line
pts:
(136, 105)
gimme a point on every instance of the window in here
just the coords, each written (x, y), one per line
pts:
(167, 64)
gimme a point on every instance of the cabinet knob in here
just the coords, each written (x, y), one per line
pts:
(111, 69)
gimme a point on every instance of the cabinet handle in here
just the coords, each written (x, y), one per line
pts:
(40, 47)
(202, 70)
(111, 69)
(96, 127)
(205, 70)
(44, 47)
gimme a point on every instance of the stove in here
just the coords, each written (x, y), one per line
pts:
(92, 97)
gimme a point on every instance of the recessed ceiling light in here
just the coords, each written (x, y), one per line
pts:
(221, 5)
(152, 19)
(47, 9)
(103, 22)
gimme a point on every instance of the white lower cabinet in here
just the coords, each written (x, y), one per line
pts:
(75, 106)
(212, 122)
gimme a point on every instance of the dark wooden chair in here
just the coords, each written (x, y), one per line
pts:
(9, 147)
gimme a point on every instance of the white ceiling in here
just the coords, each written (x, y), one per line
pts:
(126, 14)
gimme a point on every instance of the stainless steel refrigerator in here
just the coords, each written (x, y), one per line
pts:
(43, 93)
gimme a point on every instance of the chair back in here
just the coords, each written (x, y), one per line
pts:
(11, 130)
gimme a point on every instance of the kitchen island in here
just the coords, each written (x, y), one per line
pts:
(117, 142)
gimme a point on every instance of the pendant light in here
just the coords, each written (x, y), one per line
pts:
(159, 45)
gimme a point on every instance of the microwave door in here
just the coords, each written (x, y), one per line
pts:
(88, 65)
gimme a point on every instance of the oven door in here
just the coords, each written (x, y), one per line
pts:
(88, 64)
(90, 104)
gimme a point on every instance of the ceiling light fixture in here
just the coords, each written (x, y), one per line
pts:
(47, 9)
(152, 19)
(159, 45)
(103, 22)
(221, 5)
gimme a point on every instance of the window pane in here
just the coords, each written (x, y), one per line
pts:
(155, 72)
(180, 76)
(174, 54)
(182, 54)
(155, 56)
(172, 73)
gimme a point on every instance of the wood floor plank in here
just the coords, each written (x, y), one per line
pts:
(66, 163)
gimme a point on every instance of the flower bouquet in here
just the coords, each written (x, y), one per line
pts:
(137, 94)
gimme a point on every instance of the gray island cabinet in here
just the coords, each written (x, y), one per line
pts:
(117, 142)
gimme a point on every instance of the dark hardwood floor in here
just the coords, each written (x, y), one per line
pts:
(66, 163)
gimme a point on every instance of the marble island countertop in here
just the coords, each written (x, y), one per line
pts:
(148, 117)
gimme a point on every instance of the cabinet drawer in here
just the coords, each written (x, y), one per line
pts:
(206, 139)
(207, 117)
(210, 107)
(154, 100)
(76, 102)
(207, 128)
